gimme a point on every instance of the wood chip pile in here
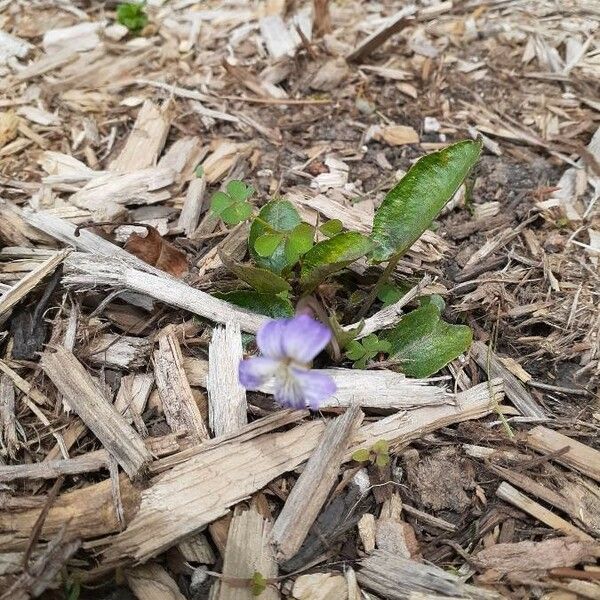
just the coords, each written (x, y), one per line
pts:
(131, 459)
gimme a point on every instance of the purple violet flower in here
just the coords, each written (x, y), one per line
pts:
(288, 346)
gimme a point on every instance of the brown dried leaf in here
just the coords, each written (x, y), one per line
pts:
(158, 252)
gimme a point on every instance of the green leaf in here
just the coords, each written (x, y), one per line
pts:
(258, 584)
(434, 299)
(239, 191)
(269, 305)
(371, 343)
(278, 216)
(219, 202)
(300, 241)
(425, 343)
(261, 280)
(331, 228)
(266, 244)
(381, 460)
(362, 455)
(199, 171)
(342, 336)
(355, 350)
(236, 213)
(132, 15)
(409, 207)
(389, 294)
(332, 255)
(381, 447)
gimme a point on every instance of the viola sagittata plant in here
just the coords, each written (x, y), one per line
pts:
(288, 347)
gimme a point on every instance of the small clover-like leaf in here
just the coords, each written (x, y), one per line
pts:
(371, 343)
(258, 584)
(361, 455)
(300, 240)
(219, 202)
(239, 191)
(266, 244)
(331, 228)
(389, 294)
(236, 213)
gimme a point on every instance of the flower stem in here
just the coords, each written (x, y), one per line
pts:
(389, 269)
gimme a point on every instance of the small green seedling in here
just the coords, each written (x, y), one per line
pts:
(132, 15)
(378, 454)
(233, 206)
(258, 584)
(365, 350)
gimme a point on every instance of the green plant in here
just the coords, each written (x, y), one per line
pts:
(378, 454)
(132, 15)
(258, 584)
(365, 350)
(291, 259)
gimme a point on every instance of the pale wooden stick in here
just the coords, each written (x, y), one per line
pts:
(152, 582)
(189, 496)
(511, 495)
(192, 206)
(8, 419)
(226, 397)
(391, 576)
(313, 486)
(25, 285)
(87, 463)
(389, 315)
(579, 456)
(248, 551)
(516, 393)
(87, 400)
(24, 386)
(88, 270)
(132, 398)
(181, 411)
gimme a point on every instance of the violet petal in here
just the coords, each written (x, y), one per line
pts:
(269, 338)
(253, 372)
(316, 387)
(304, 338)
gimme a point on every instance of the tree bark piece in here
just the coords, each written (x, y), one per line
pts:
(516, 393)
(132, 398)
(579, 456)
(398, 578)
(226, 397)
(152, 582)
(8, 418)
(88, 401)
(314, 484)
(248, 551)
(181, 411)
(146, 140)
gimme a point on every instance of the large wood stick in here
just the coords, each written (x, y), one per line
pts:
(227, 408)
(313, 486)
(88, 401)
(579, 456)
(95, 270)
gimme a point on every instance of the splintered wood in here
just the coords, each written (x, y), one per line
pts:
(247, 552)
(314, 484)
(181, 411)
(227, 408)
(85, 397)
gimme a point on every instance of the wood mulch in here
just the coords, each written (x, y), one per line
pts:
(132, 464)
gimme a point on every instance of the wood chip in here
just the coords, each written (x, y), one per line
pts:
(181, 411)
(227, 408)
(152, 582)
(87, 400)
(313, 486)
